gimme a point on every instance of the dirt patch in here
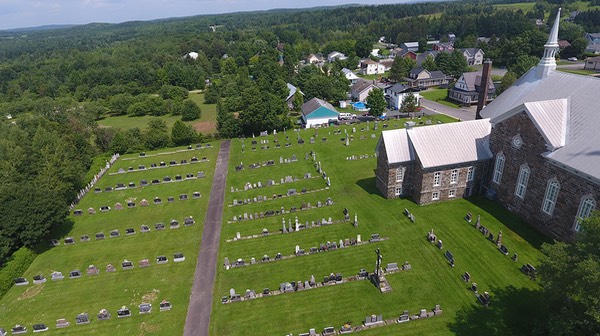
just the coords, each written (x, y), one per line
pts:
(147, 328)
(151, 296)
(31, 292)
(205, 127)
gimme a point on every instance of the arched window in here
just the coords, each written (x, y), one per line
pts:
(399, 174)
(522, 181)
(551, 196)
(498, 168)
(586, 207)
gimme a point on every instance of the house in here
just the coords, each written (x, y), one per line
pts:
(592, 63)
(535, 153)
(316, 112)
(335, 55)
(314, 59)
(419, 77)
(350, 76)
(474, 56)
(410, 46)
(361, 89)
(433, 163)
(423, 56)
(593, 38)
(562, 44)
(593, 48)
(291, 93)
(466, 89)
(443, 46)
(370, 67)
(450, 37)
(387, 63)
(399, 52)
(395, 94)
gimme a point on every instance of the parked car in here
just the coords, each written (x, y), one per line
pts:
(572, 59)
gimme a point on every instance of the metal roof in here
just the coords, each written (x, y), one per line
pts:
(314, 104)
(581, 149)
(448, 144)
(439, 145)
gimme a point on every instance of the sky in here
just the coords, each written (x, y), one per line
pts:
(33, 13)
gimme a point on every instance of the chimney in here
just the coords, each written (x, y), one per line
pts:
(483, 87)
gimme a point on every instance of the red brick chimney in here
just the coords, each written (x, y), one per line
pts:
(483, 87)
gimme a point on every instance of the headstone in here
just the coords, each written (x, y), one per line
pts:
(75, 274)
(165, 305)
(145, 308)
(82, 318)
(161, 260)
(178, 257)
(123, 312)
(62, 323)
(103, 315)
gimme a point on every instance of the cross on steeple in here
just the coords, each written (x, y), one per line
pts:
(548, 63)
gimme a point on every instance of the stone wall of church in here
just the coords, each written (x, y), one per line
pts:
(385, 176)
(573, 187)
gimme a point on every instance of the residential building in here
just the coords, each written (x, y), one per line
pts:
(387, 63)
(423, 56)
(593, 38)
(360, 90)
(316, 112)
(419, 77)
(350, 76)
(398, 52)
(335, 55)
(466, 89)
(592, 63)
(395, 94)
(314, 59)
(474, 56)
(535, 153)
(290, 97)
(370, 67)
(443, 46)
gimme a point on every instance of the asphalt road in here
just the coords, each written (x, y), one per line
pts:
(198, 316)
(464, 113)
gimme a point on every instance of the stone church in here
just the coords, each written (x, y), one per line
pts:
(537, 152)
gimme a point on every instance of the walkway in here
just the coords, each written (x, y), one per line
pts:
(464, 113)
(198, 316)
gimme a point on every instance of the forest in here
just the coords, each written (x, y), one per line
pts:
(56, 84)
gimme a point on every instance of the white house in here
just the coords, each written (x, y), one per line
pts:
(316, 112)
(360, 91)
(370, 67)
(335, 55)
(395, 94)
(474, 56)
(350, 75)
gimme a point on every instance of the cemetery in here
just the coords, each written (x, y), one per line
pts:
(85, 270)
(298, 215)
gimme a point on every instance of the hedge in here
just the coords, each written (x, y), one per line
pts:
(17, 265)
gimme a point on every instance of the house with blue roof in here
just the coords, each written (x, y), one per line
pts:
(316, 112)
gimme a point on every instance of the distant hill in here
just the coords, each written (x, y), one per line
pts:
(38, 28)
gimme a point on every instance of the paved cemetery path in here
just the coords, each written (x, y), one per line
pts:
(198, 316)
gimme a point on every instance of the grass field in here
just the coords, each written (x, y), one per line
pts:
(172, 281)
(207, 124)
(440, 96)
(579, 71)
(431, 281)
(515, 298)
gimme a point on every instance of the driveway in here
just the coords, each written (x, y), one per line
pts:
(432, 108)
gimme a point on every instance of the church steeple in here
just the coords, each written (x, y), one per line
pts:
(548, 63)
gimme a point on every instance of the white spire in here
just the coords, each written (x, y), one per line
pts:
(548, 63)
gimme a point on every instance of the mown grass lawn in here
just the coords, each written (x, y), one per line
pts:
(439, 96)
(172, 281)
(431, 281)
(206, 124)
(579, 71)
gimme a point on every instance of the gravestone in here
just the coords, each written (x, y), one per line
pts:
(174, 224)
(92, 270)
(56, 276)
(69, 241)
(118, 206)
(161, 260)
(159, 226)
(165, 305)
(99, 236)
(145, 308)
(188, 221)
(104, 208)
(114, 233)
(75, 274)
(82, 318)
(127, 265)
(103, 315)
(78, 212)
(62, 323)
(143, 183)
(129, 231)
(21, 282)
(123, 312)
(170, 199)
(178, 257)
(110, 268)
(196, 194)
(157, 200)
(144, 202)
(144, 228)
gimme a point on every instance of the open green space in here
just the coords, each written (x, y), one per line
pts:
(28, 305)
(431, 281)
(439, 96)
(579, 71)
(206, 124)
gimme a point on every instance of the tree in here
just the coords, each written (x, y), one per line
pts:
(364, 46)
(182, 134)
(409, 103)
(298, 101)
(507, 80)
(398, 70)
(569, 276)
(523, 64)
(452, 64)
(189, 110)
(422, 45)
(227, 125)
(376, 102)
(429, 63)
(173, 92)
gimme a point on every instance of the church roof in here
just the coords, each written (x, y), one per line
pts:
(564, 108)
(469, 143)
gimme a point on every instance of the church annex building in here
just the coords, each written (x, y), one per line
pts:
(537, 152)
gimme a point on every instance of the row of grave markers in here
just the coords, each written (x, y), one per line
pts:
(95, 179)
(173, 224)
(131, 204)
(373, 321)
(162, 164)
(323, 247)
(145, 183)
(295, 286)
(189, 148)
(84, 318)
(93, 270)
(270, 183)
